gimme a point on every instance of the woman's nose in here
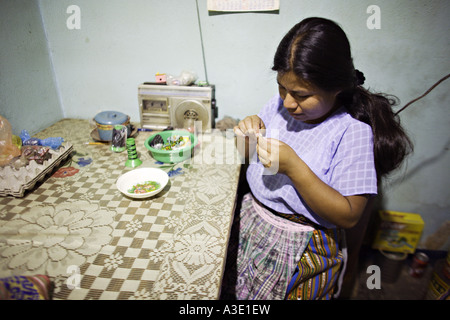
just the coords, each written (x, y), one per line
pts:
(289, 102)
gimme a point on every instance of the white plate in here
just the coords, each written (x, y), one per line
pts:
(141, 175)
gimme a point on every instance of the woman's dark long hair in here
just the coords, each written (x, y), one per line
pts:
(318, 52)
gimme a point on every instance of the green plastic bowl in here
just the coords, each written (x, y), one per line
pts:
(171, 156)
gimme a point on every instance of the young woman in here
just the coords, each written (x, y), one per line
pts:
(325, 141)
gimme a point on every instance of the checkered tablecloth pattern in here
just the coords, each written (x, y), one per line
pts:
(95, 243)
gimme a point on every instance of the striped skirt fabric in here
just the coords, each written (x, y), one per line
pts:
(317, 272)
(274, 256)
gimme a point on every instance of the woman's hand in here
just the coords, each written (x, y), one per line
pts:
(276, 155)
(250, 125)
(246, 132)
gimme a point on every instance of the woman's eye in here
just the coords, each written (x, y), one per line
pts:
(302, 97)
(297, 96)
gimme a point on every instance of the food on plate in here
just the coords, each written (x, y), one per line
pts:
(145, 187)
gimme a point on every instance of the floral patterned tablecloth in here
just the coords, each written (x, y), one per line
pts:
(95, 243)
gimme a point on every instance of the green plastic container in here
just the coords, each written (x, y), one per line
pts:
(171, 156)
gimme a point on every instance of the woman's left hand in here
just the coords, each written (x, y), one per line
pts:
(275, 155)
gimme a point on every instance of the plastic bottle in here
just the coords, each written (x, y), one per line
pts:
(7, 149)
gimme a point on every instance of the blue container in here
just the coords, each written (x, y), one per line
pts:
(106, 121)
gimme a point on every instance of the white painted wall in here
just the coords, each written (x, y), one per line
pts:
(48, 72)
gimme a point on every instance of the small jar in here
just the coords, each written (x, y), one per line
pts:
(418, 265)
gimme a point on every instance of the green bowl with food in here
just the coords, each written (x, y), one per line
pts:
(171, 146)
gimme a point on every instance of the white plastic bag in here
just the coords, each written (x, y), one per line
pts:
(186, 78)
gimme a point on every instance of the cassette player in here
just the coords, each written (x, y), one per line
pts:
(161, 106)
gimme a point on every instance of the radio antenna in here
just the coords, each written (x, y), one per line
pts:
(201, 41)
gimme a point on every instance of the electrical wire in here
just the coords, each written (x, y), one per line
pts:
(427, 92)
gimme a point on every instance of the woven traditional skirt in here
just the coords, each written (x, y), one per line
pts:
(274, 256)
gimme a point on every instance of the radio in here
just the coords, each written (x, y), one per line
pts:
(161, 106)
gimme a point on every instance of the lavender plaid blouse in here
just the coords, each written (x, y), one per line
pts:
(339, 151)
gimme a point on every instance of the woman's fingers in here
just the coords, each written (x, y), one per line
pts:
(263, 150)
(251, 125)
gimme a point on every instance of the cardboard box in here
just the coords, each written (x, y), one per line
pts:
(398, 231)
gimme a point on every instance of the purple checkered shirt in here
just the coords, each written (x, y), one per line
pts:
(339, 151)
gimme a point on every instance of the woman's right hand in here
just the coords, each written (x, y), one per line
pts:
(246, 135)
(251, 125)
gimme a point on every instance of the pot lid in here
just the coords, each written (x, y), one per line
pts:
(111, 117)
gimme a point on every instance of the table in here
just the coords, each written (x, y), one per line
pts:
(95, 243)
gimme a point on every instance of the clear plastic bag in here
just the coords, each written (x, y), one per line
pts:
(186, 78)
(8, 150)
